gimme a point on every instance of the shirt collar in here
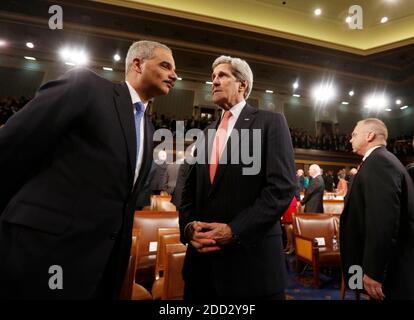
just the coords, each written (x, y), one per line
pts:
(369, 151)
(134, 95)
(236, 109)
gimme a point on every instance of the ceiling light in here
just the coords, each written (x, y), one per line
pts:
(351, 93)
(69, 63)
(30, 45)
(398, 101)
(269, 91)
(209, 82)
(404, 107)
(29, 58)
(107, 69)
(317, 12)
(384, 19)
(2, 43)
(296, 95)
(117, 57)
(179, 78)
(388, 109)
(345, 102)
(75, 56)
(296, 85)
(324, 92)
(376, 102)
(348, 19)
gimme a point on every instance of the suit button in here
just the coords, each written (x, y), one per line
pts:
(113, 235)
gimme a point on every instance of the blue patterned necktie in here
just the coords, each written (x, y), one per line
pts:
(140, 108)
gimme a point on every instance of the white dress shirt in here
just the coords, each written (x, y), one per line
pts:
(135, 98)
(235, 113)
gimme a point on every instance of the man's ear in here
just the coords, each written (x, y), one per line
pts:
(371, 136)
(137, 65)
(243, 85)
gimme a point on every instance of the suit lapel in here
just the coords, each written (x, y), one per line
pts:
(244, 121)
(123, 104)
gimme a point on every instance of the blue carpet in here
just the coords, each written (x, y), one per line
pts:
(299, 286)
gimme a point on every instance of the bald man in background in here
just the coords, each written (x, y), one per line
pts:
(377, 224)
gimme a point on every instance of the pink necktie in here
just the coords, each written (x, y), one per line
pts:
(218, 144)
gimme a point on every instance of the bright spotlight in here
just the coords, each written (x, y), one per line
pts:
(117, 57)
(404, 107)
(384, 19)
(30, 58)
(324, 92)
(269, 91)
(179, 78)
(376, 102)
(2, 43)
(209, 82)
(388, 109)
(30, 45)
(317, 12)
(74, 56)
(295, 85)
(351, 93)
(107, 69)
(398, 101)
(348, 19)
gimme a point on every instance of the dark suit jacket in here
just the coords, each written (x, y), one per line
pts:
(158, 172)
(377, 224)
(170, 177)
(313, 199)
(182, 174)
(67, 198)
(252, 205)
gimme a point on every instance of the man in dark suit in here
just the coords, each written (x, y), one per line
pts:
(313, 200)
(171, 175)
(230, 216)
(377, 223)
(300, 179)
(72, 163)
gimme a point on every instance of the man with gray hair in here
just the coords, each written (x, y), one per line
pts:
(72, 163)
(313, 200)
(231, 220)
(377, 223)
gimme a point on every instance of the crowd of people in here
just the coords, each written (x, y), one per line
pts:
(9, 106)
(335, 142)
(400, 145)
